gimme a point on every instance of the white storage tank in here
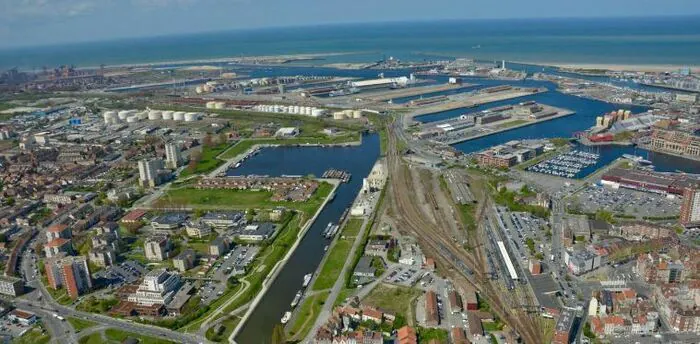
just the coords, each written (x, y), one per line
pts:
(191, 116)
(220, 105)
(339, 115)
(123, 114)
(357, 114)
(275, 108)
(132, 119)
(316, 112)
(348, 113)
(167, 115)
(307, 110)
(179, 116)
(296, 109)
(110, 117)
(142, 115)
(154, 115)
(199, 90)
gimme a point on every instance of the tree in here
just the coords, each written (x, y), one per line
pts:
(195, 157)
(278, 336)
(207, 141)
(250, 215)
(10, 201)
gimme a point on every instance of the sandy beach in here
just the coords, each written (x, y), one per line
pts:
(616, 67)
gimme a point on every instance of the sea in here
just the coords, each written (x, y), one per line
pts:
(656, 40)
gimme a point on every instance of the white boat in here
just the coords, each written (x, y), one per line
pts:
(286, 317)
(297, 298)
(325, 248)
(238, 164)
(307, 279)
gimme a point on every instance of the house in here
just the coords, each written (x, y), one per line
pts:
(470, 300)
(372, 314)
(432, 316)
(364, 269)
(406, 335)
(458, 336)
(134, 216)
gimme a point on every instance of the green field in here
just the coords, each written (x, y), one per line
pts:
(239, 199)
(339, 253)
(119, 336)
(33, 336)
(80, 324)
(94, 338)
(208, 161)
(392, 298)
(307, 314)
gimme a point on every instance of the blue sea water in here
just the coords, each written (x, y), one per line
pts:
(668, 40)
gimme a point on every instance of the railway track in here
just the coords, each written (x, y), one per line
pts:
(413, 218)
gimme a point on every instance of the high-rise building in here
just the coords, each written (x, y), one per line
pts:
(157, 247)
(173, 157)
(690, 210)
(76, 275)
(148, 172)
(158, 287)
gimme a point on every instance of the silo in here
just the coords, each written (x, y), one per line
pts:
(179, 116)
(167, 115)
(154, 115)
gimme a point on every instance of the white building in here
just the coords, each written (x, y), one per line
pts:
(148, 172)
(158, 287)
(173, 158)
(12, 286)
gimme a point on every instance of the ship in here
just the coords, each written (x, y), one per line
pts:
(325, 248)
(332, 231)
(328, 229)
(297, 298)
(307, 279)
(637, 159)
(238, 164)
(286, 317)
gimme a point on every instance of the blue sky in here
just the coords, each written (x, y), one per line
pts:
(40, 22)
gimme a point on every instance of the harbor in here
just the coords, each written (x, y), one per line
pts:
(417, 91)
(567, 165)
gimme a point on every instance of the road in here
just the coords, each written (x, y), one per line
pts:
(39, 300)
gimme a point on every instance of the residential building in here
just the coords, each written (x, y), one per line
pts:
(218, 247)
(56, 246)
(184, 261)
(197, 229)
(12, 286)
(656, 268)
(257, 232)
(52, 268)
(158, 287)
(157, 247)
(372, 314)
(562, 329)
(168, 222)
(76, 275)
(149, 175)
(690, 209)
(57, 231)
(406, 335)
(676, 142)
(223, 219)
(582, 261)
(432, 316)
(173, 158)
(103, 256)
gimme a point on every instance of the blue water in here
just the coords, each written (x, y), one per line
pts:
(673, 40)
(303, 161)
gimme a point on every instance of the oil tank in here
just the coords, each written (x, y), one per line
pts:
(110, 116)
(132, 119)
(142, 115)
(179, 116)
(316, 112)
(357, 114)
(154, 115)
(191, 116)
(220, 105)
(167, 115)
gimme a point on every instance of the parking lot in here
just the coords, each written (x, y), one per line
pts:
(125, 273)
(15, 330)
(520, 227)
(625, 201)
(405, 275)
(232, 264)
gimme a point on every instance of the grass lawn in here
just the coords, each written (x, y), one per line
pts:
(120, 336)
(511, 123)
(427, 334)
(240, 199)
(33, 336)
(307, 314)
(344, 294)
(208, 162)
(339, 253)
(228, 325)
(80, 324)
(95, 338)
(392, 298)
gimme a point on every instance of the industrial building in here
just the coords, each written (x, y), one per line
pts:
(509, 154)
(676, 142)
(664, 183)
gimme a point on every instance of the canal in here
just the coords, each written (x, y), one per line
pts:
(358, 160)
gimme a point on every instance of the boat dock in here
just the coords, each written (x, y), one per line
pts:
(416, 91)
(344, 176)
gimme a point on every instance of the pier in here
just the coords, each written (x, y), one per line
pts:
(416, 91)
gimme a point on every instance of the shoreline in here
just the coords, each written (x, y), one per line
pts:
(613, 67)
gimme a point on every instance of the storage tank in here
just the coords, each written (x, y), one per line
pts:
(275, 108)
(124, 114)
(199, 90)
(132, 119)
(316, 112)
(357, 114)
(339, 115)
(142, 115)
(167, 115)
(110, 117)
(296, 109)
(154, 115)
(307, 110)
(348, 113)
(179, 116)
(220, 105)
(191, 116)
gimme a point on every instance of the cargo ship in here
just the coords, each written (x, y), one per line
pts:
(328, 229)
(331, 233)
(307, 279)
(286, 317)
(297, 298)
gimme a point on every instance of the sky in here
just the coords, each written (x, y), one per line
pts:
(47, 22)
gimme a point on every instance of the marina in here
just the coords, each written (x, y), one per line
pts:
(567, 165)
